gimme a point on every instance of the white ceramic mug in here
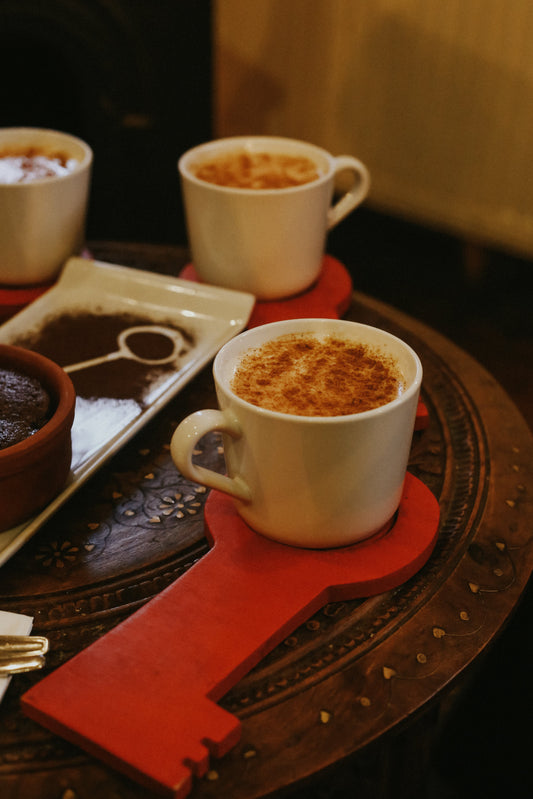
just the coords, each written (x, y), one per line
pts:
(268, 242)
(42, 222)
(307, 481)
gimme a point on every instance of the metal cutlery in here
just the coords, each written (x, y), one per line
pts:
(23, 643)
(20, 653)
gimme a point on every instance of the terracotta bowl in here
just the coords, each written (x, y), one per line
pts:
(33, 471)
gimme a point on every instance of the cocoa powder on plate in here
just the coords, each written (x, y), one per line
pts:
(69, 338)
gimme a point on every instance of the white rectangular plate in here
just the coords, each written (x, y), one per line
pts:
(211, 315)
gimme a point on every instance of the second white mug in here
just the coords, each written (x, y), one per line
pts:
(266, 241)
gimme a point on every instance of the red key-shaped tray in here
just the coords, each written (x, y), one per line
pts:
(143, 697)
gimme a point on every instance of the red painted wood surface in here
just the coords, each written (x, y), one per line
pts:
(13, 300)
(143, 697)
(328, 298)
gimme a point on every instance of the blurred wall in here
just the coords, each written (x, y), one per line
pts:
(436, 97)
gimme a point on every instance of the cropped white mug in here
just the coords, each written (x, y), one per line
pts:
(268, 242)
(42, 222)
(307, 481)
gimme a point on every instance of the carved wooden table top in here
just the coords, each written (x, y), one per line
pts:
(355, 670)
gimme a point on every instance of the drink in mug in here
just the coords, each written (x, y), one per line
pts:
(305, 375)
(23, 165)
(258, 210)
(317, 417)
(262, 170)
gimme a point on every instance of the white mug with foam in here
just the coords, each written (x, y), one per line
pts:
(268, 242)
(42, 222)
(310, 481)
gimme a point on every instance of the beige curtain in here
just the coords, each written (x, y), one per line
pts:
(436, 96)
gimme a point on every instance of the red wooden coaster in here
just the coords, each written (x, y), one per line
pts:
(372, 566)
(422, 417)
(13, 300)
(143, 698)
(328, 298)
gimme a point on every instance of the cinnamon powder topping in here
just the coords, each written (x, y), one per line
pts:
(244, 170)
(308, 376)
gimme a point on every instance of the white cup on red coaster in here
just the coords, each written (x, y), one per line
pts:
(44, 191)
(253, 233)
(309, 480)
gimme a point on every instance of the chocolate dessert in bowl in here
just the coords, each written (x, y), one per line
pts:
(37, 403)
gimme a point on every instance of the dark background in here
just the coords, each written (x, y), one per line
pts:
(130, 77)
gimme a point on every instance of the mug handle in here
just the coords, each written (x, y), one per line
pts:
(184, 441)
(355, 195)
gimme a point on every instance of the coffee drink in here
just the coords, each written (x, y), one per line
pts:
(244, 170)
(32, 163)
(309, 376)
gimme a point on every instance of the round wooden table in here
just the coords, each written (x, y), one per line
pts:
(363, 679)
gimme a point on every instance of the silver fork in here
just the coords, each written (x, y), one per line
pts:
(20, 653)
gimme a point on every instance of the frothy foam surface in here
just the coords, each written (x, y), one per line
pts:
(32, 165)
(244, 170)
(310, 376)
